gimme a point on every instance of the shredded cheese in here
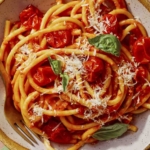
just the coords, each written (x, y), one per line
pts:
(25, 50)
(73, 65)
(127, 72)
(83, 44)
(98, 24)
(58, 88)
(37, 111)
(98, 105)
(56, 126)
(94, 22)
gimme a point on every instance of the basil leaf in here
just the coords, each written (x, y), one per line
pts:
(107, 43)
(56, 65)
(110, 132)
(65, 80)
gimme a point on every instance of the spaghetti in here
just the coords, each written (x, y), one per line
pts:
(78, 68)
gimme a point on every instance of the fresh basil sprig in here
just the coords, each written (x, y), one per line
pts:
(110, 132)
(107, 43)
(65, 80)
(56, 66)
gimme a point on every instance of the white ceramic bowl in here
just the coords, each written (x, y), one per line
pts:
(10, 9)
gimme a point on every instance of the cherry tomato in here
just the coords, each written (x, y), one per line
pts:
(94, 67)
(141, 74)
(135, 34)
(57, 132)
(111, 25)
(141, 50)
(44, 75)
(59, 39)
(31, 17)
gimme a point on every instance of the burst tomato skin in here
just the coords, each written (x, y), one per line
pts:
(31, 17)
(94, 67)
(141, 74)
(141, 50)
(135, 34)
(111, 25)
(56, 132)
(44, 75)
(59, 39)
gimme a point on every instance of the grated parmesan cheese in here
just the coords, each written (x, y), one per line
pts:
(120, 117)
(83, 44)
(127, 72)
(73, 65)
(56, 126)
(136, 95)
(58, 88)
(97, 23)
(37, 111)
(95, 20)
(75, 85)
(97, 102)
(25, 50)
(98, 105)
(31, 57)
(138, 100)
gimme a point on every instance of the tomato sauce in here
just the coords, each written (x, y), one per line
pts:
(57, 132)
(112, 25)
(141, 74)
(44, 75)
(31, 17)
(59, 39)
(94, 67)
(141, 50)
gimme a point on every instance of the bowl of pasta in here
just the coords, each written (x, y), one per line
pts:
(79, 71)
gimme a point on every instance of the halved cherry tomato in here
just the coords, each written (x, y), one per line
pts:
(135, 34)
(57, 132)
(141, 50)
(31, 17)
(59, 39)
(94, 67)
(44, 75)
(141, 74)
(111, 25)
